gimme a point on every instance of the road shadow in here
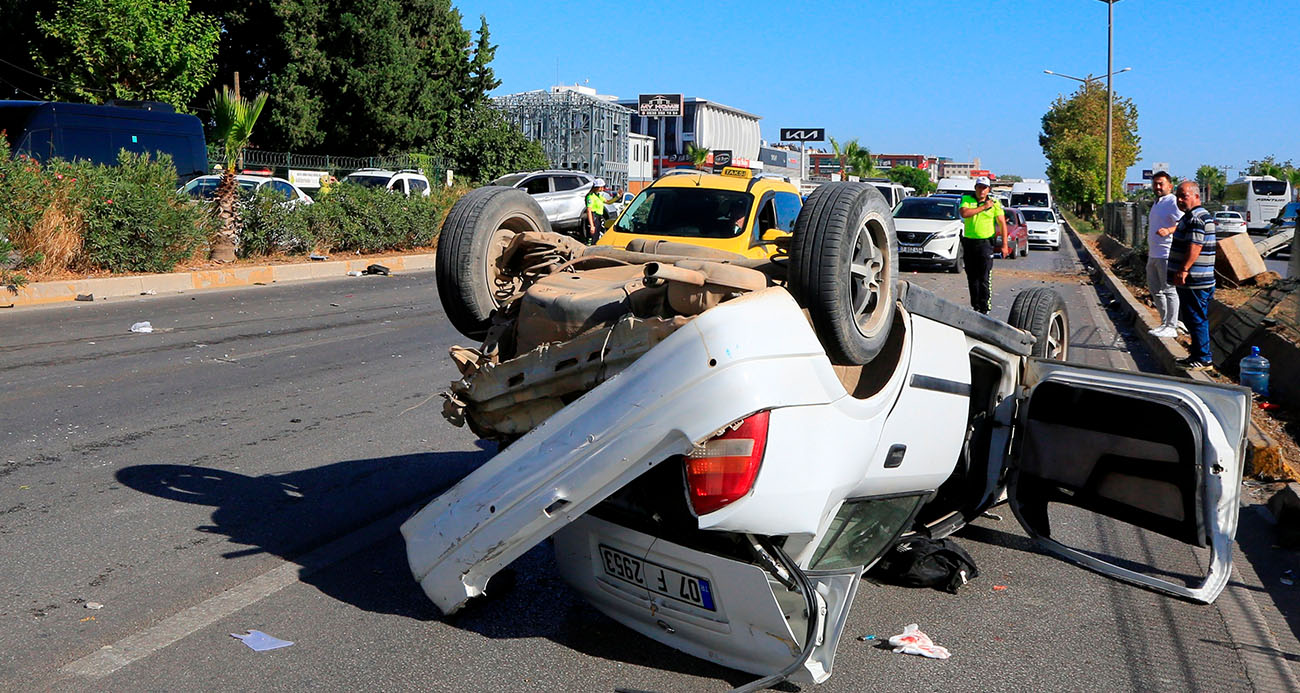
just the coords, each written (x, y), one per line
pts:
(289, 515)
(1256, 537)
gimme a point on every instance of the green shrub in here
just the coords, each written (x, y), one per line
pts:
(349, 218)
(77, 215)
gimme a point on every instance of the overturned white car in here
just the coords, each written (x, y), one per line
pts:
(720, 447)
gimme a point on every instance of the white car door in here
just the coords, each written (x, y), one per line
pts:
(1160, 453)
(544, 193)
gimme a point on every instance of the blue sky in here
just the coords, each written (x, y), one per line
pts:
(1214, 82)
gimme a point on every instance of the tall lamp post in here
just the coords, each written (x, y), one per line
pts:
(1110, 95)
(1110, 99)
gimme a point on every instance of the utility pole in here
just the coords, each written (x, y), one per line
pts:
(1110, 94)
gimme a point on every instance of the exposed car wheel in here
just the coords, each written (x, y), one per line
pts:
(1041, 312)
(843, 269)
(477, 230)
(958, 263)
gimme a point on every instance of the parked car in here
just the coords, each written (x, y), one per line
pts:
(561, 194)
(1044, 227)
(205, 188)
(1229, 222)
(720, 449)
(929, 231)
(45, 130)
(893, 192)
(735, 213)
(407, 181)
(1017, 232)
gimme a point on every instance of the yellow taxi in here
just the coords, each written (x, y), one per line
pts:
(734, 211)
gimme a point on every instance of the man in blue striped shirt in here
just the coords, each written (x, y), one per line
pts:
(1191, 271)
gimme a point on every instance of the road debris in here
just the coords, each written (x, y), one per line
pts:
(377, 269)
(355, 273)
(866, 638)
(85, 297)
(142, 327)
(913, 641)
(999, 588)
(150, 292)
(316, 257)
(94, 605)
(260, 641)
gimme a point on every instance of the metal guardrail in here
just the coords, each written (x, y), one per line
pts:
(254, 158)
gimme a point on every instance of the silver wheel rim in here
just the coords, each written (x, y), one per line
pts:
(1056, 337)
(867, 278)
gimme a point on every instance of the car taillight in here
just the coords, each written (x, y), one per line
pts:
(723, 469)
(1248, 215)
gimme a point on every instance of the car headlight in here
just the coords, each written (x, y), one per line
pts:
(950, 233)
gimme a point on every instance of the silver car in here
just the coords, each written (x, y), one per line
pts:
(561, 194)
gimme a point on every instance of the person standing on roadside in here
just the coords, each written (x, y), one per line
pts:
(1191, 271)
(1160, 230)
(984, 218)
(595, 212)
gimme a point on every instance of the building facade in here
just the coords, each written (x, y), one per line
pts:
(578, 129)
(705, 123)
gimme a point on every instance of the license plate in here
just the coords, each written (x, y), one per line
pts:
(659, 579)
(909, 250)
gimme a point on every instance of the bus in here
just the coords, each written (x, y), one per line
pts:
(1258, 198)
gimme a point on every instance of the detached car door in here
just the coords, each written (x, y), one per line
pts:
(1163, 454)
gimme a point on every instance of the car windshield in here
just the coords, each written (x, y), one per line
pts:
(368, 181)
(1038, 215)
(1028, 199)
(509, 181)
(206, 188)
(688, 212)
(1269, 187)
(922, 208)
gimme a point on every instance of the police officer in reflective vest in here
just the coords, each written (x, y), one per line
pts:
(595, 214)
(983, 219)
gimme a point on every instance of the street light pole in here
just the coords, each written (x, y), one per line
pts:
(1110, 95)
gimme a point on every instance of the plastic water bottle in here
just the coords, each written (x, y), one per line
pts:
(1254, 372)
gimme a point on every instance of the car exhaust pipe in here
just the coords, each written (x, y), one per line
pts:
(673, 273)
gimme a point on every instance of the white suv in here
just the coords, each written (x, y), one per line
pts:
(407, 181)
(561, 194)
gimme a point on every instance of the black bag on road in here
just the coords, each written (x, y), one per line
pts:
(925, 562)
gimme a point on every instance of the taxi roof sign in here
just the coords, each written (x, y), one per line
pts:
(737, 172)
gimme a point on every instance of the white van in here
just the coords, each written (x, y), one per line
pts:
(893, 192)
(1032, 193)
(956, 186)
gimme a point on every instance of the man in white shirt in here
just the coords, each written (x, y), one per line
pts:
(1160, 227)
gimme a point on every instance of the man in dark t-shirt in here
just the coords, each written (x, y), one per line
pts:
(1191, 271)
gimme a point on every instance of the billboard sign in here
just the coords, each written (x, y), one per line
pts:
(721, 158)
(1146, 174)
(803, 134)
(306, 179)
(659, 105)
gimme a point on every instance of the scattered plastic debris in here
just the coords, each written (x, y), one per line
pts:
(334, 305)
(142, 327)
(260, 641)
(992, 516)
(150, 292)
(94, 605)
(85, 297)
(88, 618)
(866, 638)
(377, 269)
(913, 641)
(355, 273)
(314, 256)
(999, 588)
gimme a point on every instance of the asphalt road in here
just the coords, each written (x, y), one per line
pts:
(245, 468)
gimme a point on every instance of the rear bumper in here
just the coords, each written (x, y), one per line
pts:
(750, 628)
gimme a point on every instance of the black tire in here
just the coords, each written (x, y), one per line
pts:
(1041, 312)
(476, 230)
(1024, 249)
(959, 262)
(843, 269)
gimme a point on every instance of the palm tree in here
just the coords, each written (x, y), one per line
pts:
(860, 159)
(235, 118)
(698, 155)
(839, 156)
(1212, 181)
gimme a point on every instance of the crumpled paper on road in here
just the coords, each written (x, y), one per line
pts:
(260, 641)
(913, 641)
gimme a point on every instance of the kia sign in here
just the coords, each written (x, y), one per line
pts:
(803, 134)
(721, 158)
(659, 105)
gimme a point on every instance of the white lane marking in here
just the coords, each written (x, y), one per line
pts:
(132, 648)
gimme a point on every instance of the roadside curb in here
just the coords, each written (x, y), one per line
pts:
(45, 293)
(1263, 456)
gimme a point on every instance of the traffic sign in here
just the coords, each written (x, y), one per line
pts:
(803, 134)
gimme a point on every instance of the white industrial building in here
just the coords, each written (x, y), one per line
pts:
(707, 124)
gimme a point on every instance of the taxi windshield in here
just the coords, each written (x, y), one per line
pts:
(687, 212)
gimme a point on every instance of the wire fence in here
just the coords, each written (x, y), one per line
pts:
(281, 162)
